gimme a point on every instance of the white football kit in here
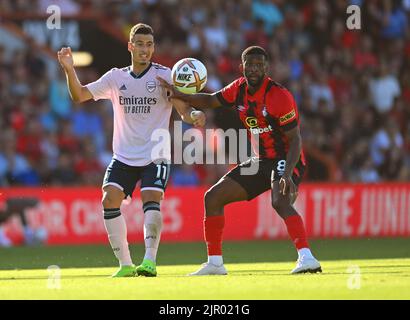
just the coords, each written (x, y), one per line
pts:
(140, 107)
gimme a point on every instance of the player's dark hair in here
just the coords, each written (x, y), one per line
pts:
(141, 28)
(254, 50)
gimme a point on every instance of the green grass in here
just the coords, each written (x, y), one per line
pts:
(257, 270)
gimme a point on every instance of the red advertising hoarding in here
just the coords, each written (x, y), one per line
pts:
(74, 215)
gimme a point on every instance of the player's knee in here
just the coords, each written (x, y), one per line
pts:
(106, 201)
(212, 201)
(293, 198)
(209, 197)
(279, 205)
(110, 201)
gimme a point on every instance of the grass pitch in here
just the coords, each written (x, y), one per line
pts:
(352, 269)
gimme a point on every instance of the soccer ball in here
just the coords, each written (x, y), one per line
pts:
(189, 75)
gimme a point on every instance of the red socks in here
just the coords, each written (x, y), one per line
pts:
(214, 225)
(296, 231)
(213, 228)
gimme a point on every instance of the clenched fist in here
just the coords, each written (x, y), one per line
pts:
(198, 118)
(65, 57)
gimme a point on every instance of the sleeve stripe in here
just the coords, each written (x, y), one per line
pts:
(222, 100)
(290, 125)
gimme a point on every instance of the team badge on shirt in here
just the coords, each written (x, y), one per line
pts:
(151, 86)
(264, 112)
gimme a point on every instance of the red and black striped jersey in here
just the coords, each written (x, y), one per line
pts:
(266, 114)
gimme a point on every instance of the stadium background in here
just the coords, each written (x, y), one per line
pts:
(352, 88)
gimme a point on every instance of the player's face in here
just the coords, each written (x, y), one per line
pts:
(254, 69)
(141, 48)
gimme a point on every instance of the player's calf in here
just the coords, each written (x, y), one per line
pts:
(296, 230)
(214, 203)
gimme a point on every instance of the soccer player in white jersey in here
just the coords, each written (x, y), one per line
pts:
(140, 107)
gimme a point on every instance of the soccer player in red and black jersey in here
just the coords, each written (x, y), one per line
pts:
(270, 114)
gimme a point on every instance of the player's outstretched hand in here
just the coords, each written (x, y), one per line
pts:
(65, 57)
(198, 118)
(172, 92)
(286, 185)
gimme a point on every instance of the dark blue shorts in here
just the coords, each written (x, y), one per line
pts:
(153, 176)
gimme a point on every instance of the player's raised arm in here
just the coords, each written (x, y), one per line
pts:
(200, 100)
(78, 92)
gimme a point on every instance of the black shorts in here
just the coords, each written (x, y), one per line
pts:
(269, 170)
(153, 176)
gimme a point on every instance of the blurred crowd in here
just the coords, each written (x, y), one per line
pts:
(352, 86)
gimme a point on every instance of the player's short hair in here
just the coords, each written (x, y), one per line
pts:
(254, 50)
(141, 28)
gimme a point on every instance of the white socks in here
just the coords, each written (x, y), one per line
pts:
(117, 234)
(215, 260)
(305, 252)
(152, 230)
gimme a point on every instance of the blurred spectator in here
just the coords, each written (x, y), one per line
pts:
(368, 173)
(184, 175)
(395, 22)
(59, 98)
(383, 89)
(17, 206)
(320, 90)
(49, 149)
(15, 168)
(257, 35)
(63, 173)
(364, 56)
(29, 140)
(340, 82)
(87, 167)
(87, 123)
(386, 139)
(67, 142)
(295, 65)
(268, 12)
(215, 35)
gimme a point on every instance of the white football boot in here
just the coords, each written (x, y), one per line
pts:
(208, 269)
(306, 264)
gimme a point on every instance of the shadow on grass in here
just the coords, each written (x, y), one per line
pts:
(90, 256)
